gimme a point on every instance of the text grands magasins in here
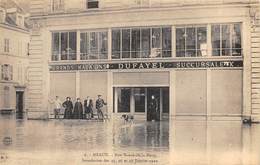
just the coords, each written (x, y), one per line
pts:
(147, 65)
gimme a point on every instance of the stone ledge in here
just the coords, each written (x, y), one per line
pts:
(37, 115)
(7, 110)
(255, 118)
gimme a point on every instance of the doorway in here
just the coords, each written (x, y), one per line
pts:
(151, 103)
(19, 104)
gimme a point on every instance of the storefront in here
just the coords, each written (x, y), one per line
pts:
(182, 89)
(192, 63)
(171, 67)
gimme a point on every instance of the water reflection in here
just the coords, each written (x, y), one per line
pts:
(152, 136)
(215, 142)
(20, 115)
(181, 142)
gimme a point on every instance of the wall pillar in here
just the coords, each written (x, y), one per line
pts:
(173, 41)
(252, 69)
(246, 105)
(208, 94)
(77, 84)
(109, 39)
(172, 95)
(78, 46)
(109, 93)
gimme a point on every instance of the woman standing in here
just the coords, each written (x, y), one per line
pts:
(78, 110)
(86, 107)
(68, 108)
(91, 108)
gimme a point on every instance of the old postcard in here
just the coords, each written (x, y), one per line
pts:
(120, 82)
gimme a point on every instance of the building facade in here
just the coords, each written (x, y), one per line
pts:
(14, 49)
(198, 59)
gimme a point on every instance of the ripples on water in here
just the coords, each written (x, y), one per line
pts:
(181, 142)
(80, 134)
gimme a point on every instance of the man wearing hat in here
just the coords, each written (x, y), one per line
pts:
(99, 104)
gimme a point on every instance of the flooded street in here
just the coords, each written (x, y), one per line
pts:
(86, 142)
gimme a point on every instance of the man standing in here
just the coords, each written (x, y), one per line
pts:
(68, 108)
(57, 103)
(99, 105)
(153, 112)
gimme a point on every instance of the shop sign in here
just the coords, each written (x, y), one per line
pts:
(147, 65)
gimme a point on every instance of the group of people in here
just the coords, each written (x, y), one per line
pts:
(79, 110)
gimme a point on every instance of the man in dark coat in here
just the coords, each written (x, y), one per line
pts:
(152, 109)
(78, 110)
(68, 108)
(99, 105)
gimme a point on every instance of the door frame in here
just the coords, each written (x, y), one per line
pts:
(19, 94)
(17, 90)
(132, 109)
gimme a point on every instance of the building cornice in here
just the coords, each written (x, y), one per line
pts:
(14, 56)
(175, 59)
(134, 10)
(18, 29)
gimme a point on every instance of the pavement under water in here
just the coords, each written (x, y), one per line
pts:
(76, 142)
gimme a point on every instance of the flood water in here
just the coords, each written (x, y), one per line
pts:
(115, 142)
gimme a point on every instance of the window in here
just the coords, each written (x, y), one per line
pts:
(2, 16)
(64, 46)
(92, 4)
(7, 72)
(116, 43)
(6, 97)
(57, 5)
(226, 40)
(123, 99)
(191, 41)
(135, 45)
(20, 21)
(145, 43)
(28, 48)
(93, 45)
(141, 3)
(139, 99)
(6, 45)
(141, 42)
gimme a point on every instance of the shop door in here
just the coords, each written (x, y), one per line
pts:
(153, 104)
(19, 104)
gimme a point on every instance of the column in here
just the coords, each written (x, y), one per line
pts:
(115, 101)
(77, 84)
(132, 102)
(145, 104)
(208, 142)
(247, 148)
(173, 41)
(209, 46)
(161, 104)
(208, 94)
(246, 36)
(78, 45)
(77, 72)
(109, 42)
(109, 93)
(172, 95)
